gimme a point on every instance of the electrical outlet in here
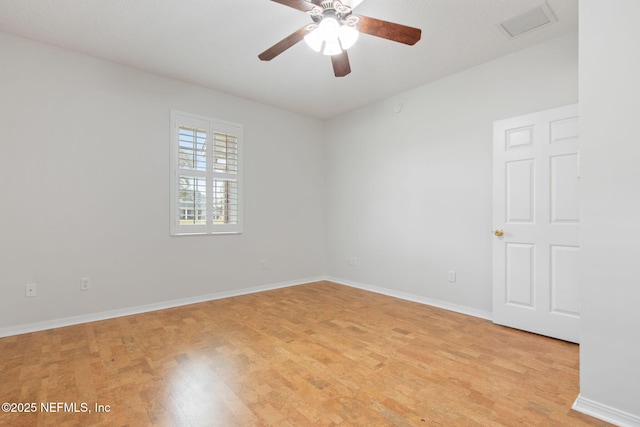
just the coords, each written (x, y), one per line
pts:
(352, 261)
(85, 283)
(263, 264)
(452, 276)
(31, 290)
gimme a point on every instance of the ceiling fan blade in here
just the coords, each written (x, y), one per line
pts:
(351, 3)
(302, 5)
(388, 30)
(341, 65)
(283, 44)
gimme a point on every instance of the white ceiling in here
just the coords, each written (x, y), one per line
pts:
(215, 43)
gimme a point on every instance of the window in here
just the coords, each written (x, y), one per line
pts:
(206, 176)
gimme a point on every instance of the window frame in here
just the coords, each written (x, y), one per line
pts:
(211, 127)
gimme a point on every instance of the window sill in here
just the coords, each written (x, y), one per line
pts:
(205, 234)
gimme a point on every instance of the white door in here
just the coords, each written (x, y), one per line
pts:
(535, 218)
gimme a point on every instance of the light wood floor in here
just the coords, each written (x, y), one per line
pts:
(318, 354)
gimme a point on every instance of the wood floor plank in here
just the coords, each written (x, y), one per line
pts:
(317, 354)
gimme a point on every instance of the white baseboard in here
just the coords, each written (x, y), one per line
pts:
(415, 298)
(605, 412)
(127, 311)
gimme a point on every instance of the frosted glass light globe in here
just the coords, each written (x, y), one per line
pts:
(348, 36)
(329, 28)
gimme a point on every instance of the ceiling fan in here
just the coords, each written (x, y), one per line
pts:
(335, 29)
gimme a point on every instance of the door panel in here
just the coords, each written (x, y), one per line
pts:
(520, 274)
(536, 206)
(564, 280)
(564, 130)
(564, 189)
(519, 137)
(519, 191)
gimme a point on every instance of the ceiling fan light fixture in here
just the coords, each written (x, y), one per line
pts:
(331, 37)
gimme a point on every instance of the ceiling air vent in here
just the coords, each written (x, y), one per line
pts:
(535, 18)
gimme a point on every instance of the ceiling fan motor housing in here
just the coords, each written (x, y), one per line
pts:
(327, 5)
(330, 9)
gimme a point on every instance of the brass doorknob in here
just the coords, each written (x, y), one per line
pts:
(498, 232)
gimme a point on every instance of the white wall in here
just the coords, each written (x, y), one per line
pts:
(410, 194)
(610, 209)
(84, 189)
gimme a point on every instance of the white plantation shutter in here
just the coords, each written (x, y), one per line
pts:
(206, 175)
